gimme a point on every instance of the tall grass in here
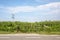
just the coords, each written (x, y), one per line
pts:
(27, 27)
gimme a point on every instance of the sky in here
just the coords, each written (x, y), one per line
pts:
(29, 10)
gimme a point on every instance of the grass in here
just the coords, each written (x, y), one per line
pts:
(47, 27)
(44, 33)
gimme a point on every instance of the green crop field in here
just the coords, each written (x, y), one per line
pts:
(46, 27)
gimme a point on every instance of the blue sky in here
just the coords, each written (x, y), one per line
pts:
(30, 10)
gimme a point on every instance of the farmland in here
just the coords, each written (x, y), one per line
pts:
(45, 27)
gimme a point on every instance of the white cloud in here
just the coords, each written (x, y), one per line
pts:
(46, 7)
(50, 5)
(20, 9)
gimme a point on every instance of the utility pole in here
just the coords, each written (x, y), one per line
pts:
(13, 20)
(13, 17)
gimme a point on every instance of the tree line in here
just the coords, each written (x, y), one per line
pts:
(30, 27)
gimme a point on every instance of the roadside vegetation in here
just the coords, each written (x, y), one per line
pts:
(46, 27)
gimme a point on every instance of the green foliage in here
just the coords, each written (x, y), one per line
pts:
(26, 27)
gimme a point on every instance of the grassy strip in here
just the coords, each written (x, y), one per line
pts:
(46, 33)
